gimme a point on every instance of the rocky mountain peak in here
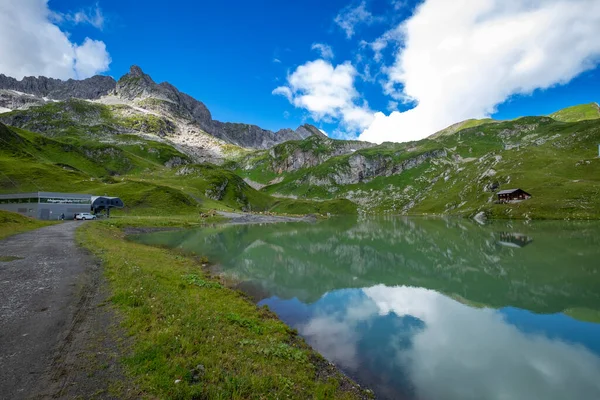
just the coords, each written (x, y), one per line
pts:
(136, 86)
(134, 70)
(307, 130)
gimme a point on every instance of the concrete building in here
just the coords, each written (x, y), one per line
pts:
(46, 205)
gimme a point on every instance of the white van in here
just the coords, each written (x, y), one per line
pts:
(84, 216)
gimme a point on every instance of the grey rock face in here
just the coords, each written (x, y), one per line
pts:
(289, 157)
(363, 169)
(11, 100)
(91, 88)
(307, 130)
(175, 162)
(217, 191)
(137, 85)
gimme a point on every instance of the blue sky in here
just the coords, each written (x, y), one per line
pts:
(219, 52)
(223, 53)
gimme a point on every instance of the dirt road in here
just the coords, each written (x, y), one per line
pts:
(50, 298)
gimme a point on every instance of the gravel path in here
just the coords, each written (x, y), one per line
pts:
(49, 297)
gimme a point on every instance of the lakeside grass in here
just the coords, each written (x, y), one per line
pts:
(175, 221)
(187, 327)
(13, 223)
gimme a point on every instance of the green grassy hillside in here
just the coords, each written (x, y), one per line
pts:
(577, 113)
(75, 117)
(151, 177)
(460, 173)
(556, 162)
(87, 147)
(470, 123)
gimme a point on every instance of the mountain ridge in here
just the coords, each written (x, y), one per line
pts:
(56, 89)
(140, 88)
(457, 171)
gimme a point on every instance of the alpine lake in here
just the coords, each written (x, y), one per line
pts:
(418, 308)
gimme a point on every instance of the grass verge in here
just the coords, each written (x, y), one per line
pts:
(13, 223)
(178, 221)
(194, 338)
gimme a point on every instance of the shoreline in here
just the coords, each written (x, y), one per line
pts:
(250, 218)
(239, 340)
(228, 219)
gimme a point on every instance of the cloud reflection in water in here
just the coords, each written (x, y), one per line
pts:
(418, 343)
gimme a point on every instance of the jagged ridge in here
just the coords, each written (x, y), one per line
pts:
(140, 88)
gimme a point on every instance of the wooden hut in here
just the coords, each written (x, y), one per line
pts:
(512, 195)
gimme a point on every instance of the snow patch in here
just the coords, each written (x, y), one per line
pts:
(21, 93)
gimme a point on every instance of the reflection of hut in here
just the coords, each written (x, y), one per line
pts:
(505, 196)
(105, 203)
(510, 239)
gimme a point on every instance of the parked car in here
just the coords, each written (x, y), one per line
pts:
(84, 216)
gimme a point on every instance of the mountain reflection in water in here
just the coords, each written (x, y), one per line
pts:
(429, 309)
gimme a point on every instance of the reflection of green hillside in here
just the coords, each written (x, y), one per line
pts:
(558, 270)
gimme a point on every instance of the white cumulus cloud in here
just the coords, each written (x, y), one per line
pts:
(32, 44)
(470, 353)
(327, 93)
(90, 58)
(460, 59)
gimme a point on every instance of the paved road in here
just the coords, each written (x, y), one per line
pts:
(45, 294)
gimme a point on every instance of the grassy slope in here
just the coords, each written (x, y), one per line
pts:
(180, 318)
(74, 116)
(555, 161)
(31, 162)
(133, 169)
(13, 223)
(577, 113)
(470, 123)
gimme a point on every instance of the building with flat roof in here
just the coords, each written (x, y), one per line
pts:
(51, 205)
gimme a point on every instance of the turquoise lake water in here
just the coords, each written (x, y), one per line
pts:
(428, 308)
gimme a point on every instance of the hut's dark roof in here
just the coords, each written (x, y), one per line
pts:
(508, 191)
